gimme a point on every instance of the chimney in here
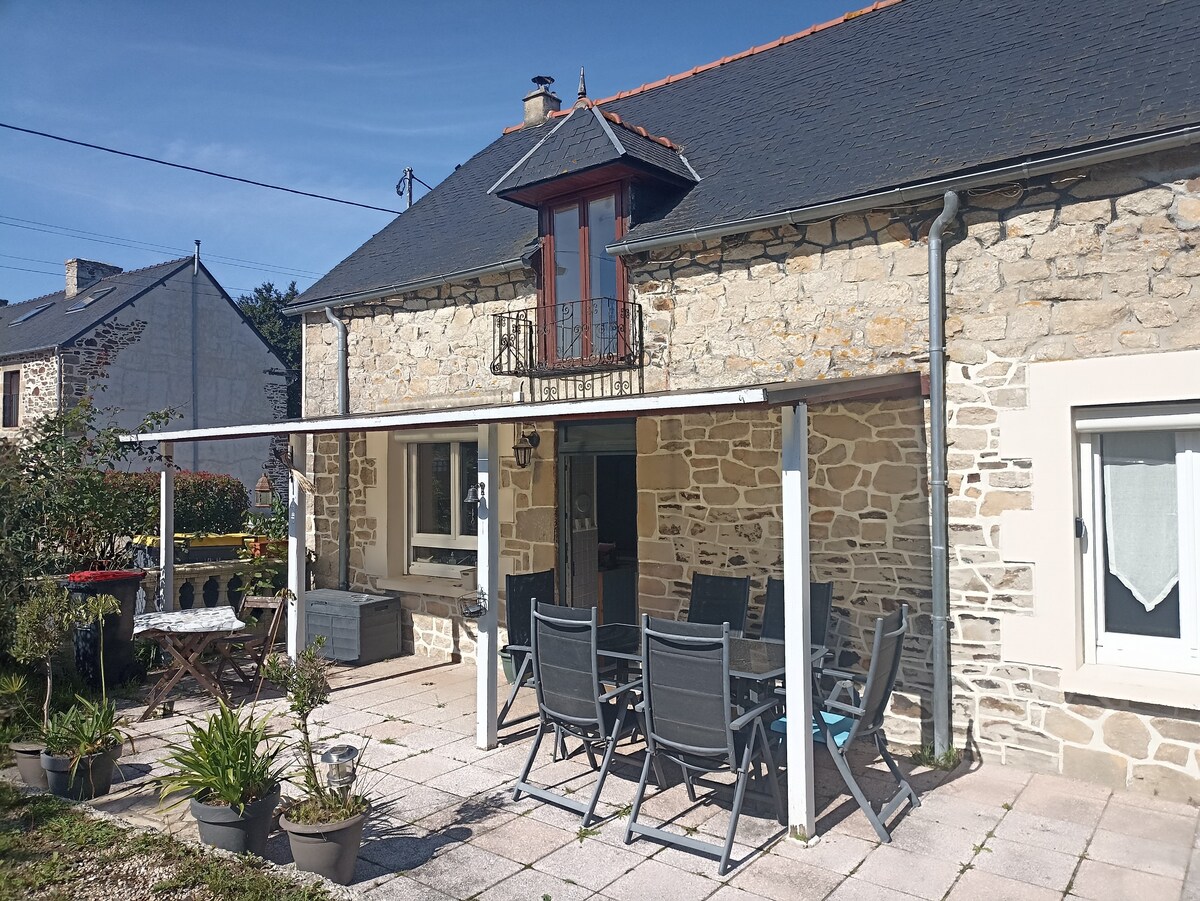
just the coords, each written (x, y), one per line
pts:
(82, 274)
(541, 102)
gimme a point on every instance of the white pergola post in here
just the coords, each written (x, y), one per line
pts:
(297, 566)
(166, 528)
(801, 800)
(487, 652)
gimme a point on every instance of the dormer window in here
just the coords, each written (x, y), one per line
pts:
(581, 282)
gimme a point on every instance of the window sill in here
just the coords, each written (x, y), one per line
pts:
(1144, 686)
(436, 586)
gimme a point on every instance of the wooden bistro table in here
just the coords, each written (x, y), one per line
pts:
(185, 635)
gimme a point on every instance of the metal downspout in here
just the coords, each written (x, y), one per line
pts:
(939, 530)
(343, 404)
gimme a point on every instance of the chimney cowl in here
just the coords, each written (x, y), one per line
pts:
(82, 274)
(541, 101)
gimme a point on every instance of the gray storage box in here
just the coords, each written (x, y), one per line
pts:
(357, 627)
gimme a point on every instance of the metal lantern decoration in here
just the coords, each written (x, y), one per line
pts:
(523, 449)
(340, 762)
(263, 492)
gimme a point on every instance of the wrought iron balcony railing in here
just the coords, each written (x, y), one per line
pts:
(567, 339)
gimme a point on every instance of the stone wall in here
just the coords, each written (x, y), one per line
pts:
(710, 501)
(39, 384)
(435, 343)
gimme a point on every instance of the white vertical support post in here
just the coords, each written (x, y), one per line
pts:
(297, 569)
(487, 653)
(166, 528)
(801, 800)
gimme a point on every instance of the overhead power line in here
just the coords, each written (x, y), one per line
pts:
(146, 247)
(150, 159)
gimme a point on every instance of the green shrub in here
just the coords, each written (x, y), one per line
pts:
(204, 501)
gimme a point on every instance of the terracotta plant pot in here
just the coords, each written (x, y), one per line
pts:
(92, 778)
(29, 762)
(328, 849)
(245, 832)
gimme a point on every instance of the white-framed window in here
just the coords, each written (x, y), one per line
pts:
(10, 406)
(441, 525)
(1140, 542)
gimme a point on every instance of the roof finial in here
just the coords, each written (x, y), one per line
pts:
(582, 85)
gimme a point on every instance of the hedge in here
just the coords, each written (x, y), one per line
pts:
(204, 501)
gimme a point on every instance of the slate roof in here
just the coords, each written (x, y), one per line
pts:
(898, 94)
(586, 139)
(55, 327)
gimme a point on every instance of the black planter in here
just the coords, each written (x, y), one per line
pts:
(29, 762)
(245, 832)
(92, 778)
(328, 849)
(119, 662)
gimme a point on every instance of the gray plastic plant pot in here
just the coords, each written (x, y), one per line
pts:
(29, 762)
(245, 832)
(91, 779)
(328, 849)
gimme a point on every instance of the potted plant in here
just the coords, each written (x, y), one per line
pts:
(42, 624)
(83, 742)
(231, 772)
(325, 826)
(22, 730)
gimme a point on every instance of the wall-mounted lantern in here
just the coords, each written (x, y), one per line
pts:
(523, 449)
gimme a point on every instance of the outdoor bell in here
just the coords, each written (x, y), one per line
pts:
(474, 494)
(263, 492)
(523, 449)
(340, 762)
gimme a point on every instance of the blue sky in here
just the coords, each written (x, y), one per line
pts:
(331, 98)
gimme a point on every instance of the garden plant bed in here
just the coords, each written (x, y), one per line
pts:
(53, 850)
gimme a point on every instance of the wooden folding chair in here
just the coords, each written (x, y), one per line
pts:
(254, 643)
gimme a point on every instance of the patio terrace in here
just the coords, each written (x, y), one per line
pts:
(444, 825)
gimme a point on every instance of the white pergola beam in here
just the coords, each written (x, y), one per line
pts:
(801, 799)
(487, 653)
(297, 557)
(166, 527)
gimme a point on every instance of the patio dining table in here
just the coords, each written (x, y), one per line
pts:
(185, 635)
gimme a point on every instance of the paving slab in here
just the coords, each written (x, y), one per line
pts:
(783, 879)
(906, 871)
(532, 885)
(1027, 863)
(1144, 822)
(1098, 881)
(524, 839)
(1142, 854)
(980, 885)
(589, 863)
(1045, 832)
(835, 852)
(464, 871)
(652, 880)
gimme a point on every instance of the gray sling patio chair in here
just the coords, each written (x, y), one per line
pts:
(720, 599)
(520, 593)
(820, 601)
(689, 721)
(572, 701)
(851, 712)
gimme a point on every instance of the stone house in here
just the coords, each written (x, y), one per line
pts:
(166, 336)
(716, 301)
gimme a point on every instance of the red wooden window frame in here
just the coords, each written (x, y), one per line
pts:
(548, 303)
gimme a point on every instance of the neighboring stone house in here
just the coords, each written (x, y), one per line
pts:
(764, 219)
(164, 337)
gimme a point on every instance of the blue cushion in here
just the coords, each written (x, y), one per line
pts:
(839, 727)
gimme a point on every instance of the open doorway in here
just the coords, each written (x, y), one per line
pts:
(598, 518)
